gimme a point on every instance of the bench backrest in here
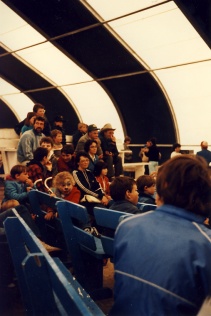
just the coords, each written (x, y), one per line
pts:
(109, 219)
(86, 250)
(38, 199)
(144, 207)
(46, 285)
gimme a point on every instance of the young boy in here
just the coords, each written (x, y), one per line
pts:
(17, 186)
(146, 189)
(125, 195)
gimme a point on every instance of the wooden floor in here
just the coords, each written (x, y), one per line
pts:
(10, 298)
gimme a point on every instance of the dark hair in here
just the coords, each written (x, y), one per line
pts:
(100, 164)
(143, 181)
(40, 153)
(153, 140)
(127, 138)
(184, 181)
(28, 118)
(175, 145)
(46, 139)
(17, 169)
(67, 149)
(119, 186)
(38, 106)
(88, 143)
(39, 118)
(79, 155)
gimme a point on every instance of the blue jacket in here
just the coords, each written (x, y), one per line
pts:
(162, 263)
(15, 190)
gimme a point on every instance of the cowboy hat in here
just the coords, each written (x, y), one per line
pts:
(107, 127)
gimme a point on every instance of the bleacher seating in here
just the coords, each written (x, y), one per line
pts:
(86, 250)
(108, 219)
(144, 207)
(47, 287)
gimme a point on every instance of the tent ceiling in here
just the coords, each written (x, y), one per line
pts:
(155, 38)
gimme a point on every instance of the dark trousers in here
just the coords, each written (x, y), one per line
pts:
(114, 165)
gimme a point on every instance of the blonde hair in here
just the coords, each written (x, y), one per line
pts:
(61, 177)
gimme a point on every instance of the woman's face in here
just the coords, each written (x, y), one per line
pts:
(93, 149)
(31, 121)
(83, 163)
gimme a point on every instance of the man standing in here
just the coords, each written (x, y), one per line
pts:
(110, 151)
(205, 153)
(92, 133)
(30, 141)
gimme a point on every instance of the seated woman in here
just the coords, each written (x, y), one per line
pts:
(87, 184)
(146, 189)
(28, 123)
(90, 147)
(100, 173)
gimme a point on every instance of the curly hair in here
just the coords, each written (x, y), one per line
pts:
(61, 177)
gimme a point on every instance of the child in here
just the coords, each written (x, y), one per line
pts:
(17, 186)
(47, 142)
(64, 187)
(146, 189)
(124, 193)
(57, 141)
(100, 173)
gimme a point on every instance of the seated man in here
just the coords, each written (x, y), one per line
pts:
(124, 193)
(82, 130)
(165, 255)
(30, 141)
(205, 153)
(110, 151)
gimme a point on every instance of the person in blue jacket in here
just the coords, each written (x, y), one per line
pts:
(162, 258)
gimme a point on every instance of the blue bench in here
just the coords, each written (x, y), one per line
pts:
(110, 219)
(47, 287)
(86, 250)
(51, 230)
(145, 207)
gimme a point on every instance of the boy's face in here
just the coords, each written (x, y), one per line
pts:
(58, 138)
(66, 157)
(22, 177)
(46, 145)
(133, 195)
(150, 190)
(66, 187)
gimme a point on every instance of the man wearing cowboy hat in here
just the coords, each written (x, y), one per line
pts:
(110, 151)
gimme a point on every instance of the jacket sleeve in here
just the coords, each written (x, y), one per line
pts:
(81, 183)
(13, 192)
